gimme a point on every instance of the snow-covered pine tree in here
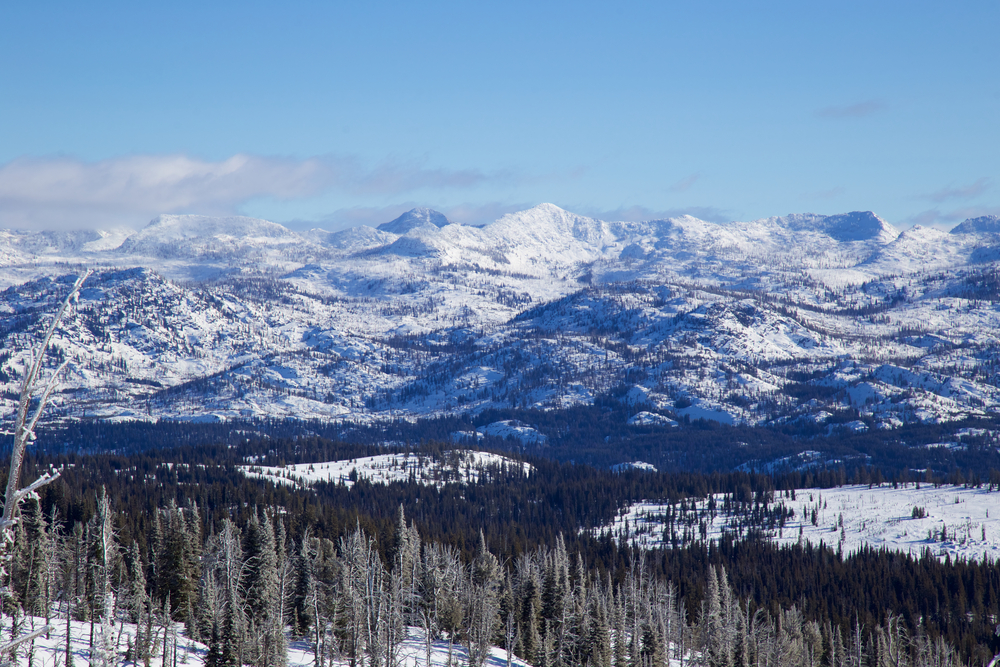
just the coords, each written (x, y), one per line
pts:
(482, 604)
(351, 587)
(106, 555)
(261, 583)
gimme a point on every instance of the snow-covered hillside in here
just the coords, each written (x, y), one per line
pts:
(947, 521)
(827, 319)
(458, 466)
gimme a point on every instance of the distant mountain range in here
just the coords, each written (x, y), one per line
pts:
(836, 321)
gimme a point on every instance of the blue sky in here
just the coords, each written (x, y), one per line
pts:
(331, 114)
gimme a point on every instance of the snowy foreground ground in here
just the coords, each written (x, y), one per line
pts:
(51, 652)
(854, 516)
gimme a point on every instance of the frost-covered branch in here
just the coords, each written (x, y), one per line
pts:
(24, 434)
(24, 429)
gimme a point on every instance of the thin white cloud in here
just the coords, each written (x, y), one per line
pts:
(929, 218)
(970, 191)
(392, 177)
(482, 214)
(63, 193)
(640, 213)
(684, 184)
(857, 110)
(945, 220)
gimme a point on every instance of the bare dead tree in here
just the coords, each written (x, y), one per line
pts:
(24, 435)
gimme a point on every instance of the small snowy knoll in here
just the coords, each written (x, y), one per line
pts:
(460, 466)
(650, 419)
(511, 428)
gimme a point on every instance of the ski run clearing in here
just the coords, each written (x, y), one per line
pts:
(460, 466)
(950, 521)
(51, 651)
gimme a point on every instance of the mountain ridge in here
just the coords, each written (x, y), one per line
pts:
(240, 317)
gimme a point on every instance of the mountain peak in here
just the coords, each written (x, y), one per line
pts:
(984, 224)
(859, 226)
(853, 226)
(415, 217)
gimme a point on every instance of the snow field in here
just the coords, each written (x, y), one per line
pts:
(853, 517)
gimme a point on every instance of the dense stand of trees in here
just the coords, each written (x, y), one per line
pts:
(247, 587)
(185, 520)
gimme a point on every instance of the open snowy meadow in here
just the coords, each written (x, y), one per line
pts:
(950, 521)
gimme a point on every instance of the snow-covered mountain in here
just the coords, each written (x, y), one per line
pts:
(801, 317)
(416, 217)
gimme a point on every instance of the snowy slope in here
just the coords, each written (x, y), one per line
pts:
(948, 521)
(416, 217)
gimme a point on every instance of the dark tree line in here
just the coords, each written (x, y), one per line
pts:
(596, 435)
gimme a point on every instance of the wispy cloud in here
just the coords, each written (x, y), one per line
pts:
(935, 217)
(60, 193)
(929, 218)
(481, 214)
(639, 213)
(684, 184)
(832, 193)
(393, 177)
(962, 192)
(856, 110)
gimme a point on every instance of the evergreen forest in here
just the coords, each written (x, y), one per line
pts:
(181, 534)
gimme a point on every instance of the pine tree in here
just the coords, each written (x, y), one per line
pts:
(215, 657)
(620, 655)
(530, 604)
(106, 556)
(652, 649)
(598, 644)
(261, 558)
(482, 605)
(352, 589)
(177, 566)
